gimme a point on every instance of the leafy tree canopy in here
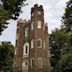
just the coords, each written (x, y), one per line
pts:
(6, 56)
(65, 62)
(67, 17)
(9, 9)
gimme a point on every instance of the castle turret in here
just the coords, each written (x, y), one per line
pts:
(32, 51)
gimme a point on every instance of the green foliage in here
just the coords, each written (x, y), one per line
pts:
(65, 62)
(10, 9)
(6, 56)
(61, 43)
(3, 17)
(67, 17)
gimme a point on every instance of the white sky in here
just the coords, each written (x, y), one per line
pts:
(53, 11)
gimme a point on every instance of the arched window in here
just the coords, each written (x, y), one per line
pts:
(25, 49)
(39, 43)
(24, 65)
(32, 25)
(32, 62)
(39, 13)
(32, 43)
(39, 23)
(40, 62)
(26, 32)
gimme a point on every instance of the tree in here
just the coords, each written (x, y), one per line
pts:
(9, 9)
(59, 41)
(6, 57)
(65, 63)
(67, 17)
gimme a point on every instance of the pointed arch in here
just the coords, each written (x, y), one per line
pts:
(25, 49)
(26, 32)
(32, 43)
(39, 43)
(40, 62)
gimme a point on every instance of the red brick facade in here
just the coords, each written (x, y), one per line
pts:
(32, 51)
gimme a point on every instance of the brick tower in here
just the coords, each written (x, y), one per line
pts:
(32, 51)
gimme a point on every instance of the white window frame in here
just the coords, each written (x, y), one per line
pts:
(32, 44)
(38, 12)
(24, 50)
(39, 24)
(24, 66)
(26, 31)
(32, 25)
(39, 39)
(40, 62)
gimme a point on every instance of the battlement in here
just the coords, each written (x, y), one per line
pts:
(37, 7)
(23, 22)
(20, 21)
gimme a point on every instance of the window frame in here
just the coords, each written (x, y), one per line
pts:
(39, 12)
(26, 32)
(24, 50)
(32, 25)
(39, 24)
(39, 62)
(32, 44)
(39, 39)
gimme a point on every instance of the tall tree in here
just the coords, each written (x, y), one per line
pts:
(9, 9)
(67, 17)
(59, 40)
(6, 57)
(65, 63)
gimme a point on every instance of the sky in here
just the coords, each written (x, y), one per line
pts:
(53, 11)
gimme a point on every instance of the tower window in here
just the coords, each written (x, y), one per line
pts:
(26, 32)
(39, 43)
(26, 63)
(40, 62)
(39, 13)
(32, 43)
(25, 49)
(39, 24)
(32, 25)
